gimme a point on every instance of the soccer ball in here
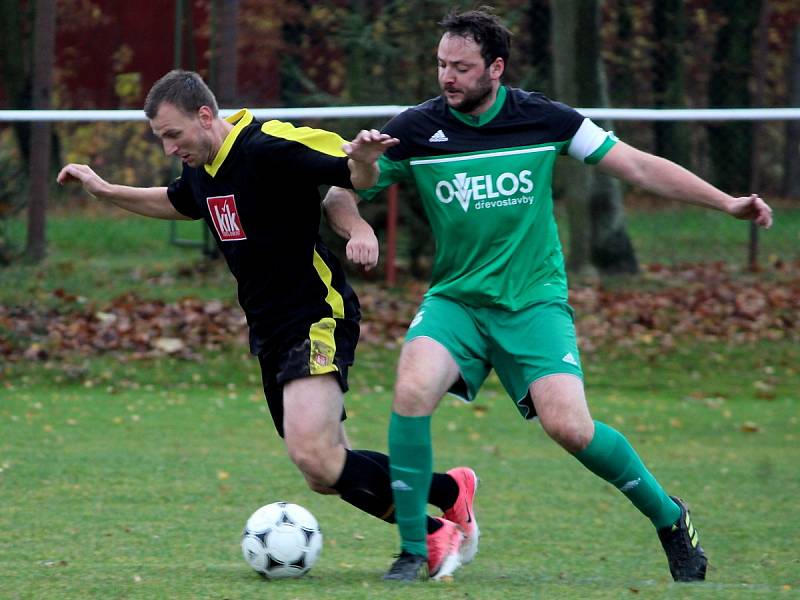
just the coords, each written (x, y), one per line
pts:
(281, 540)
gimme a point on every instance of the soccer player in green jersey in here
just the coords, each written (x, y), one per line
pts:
(481, 156)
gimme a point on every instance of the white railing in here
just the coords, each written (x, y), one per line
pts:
(348, 112)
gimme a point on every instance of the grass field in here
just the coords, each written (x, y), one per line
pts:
(132, 479)
(105, 256)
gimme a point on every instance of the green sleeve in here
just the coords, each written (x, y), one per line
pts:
(391, 172)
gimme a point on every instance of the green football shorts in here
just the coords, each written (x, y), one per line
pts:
(521, 346)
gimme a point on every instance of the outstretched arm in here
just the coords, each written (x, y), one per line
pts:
(364, 151)
(670, 180)
(150, 202)
(343, 217)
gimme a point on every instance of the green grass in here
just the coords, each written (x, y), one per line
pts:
(133, 480)
(102, 257)
(690, 234)
(675, 234)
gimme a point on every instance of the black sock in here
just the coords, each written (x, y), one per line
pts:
(365, 483)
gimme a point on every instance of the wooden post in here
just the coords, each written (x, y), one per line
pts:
(760, 58)
(39, 168)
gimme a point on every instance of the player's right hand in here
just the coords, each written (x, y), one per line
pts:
(91, 181)
(751, 208)
(362, 248)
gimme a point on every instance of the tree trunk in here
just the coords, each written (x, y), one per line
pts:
(625, 87)
(669, 21)
(226, 57)
(16, 50)
(43, 58)
(538, 48)
(731, 143)
(759, 96)
(573, 179)
(791, 174)
(596, 216)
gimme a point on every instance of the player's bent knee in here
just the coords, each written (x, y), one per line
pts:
(319, 487)
(412, 399)
(314, 463)
(572, 437)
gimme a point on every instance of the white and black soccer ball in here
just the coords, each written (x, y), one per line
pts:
(281, 540)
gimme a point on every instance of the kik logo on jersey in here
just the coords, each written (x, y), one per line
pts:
(226, 218)
(479, 188)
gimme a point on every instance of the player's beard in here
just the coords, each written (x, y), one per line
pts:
(473, 98)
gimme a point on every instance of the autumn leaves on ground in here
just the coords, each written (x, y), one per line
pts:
(653, 312)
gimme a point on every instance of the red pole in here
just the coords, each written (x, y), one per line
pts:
(391, 235)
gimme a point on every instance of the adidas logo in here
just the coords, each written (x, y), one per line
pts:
(568, 358)
(439, 136)
(630, 485)
(401, 486)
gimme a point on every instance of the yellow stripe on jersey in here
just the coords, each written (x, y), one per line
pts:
(323, 347)
(320, 140)
(240, 120)
(333, 298)
(323, 343)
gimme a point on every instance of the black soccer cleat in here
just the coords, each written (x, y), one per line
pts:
(407, 568)
(681, 542)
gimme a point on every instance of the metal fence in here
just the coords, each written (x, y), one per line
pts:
(120, 146)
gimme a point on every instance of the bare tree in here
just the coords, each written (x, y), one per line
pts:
(574, 178)
(730, 87)
(791, 178)
(43, 59)
(226, 57)
(669, 83)
(595, 212)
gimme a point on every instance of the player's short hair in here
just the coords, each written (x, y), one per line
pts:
(485, 28)
(185, 90)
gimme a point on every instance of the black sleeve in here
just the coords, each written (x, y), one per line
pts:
(565, 121)
(315, 166)
(404, 128)
(180, 195)
(316, 159)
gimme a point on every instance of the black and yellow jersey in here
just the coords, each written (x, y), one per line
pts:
(260, 199)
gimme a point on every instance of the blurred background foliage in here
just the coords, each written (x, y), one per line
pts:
(256, 53)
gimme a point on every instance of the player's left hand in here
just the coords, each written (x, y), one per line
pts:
(362, 248)
(367, 146)
(751, 208)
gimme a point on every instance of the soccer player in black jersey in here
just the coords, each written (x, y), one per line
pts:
(481, 157)
(256, 186)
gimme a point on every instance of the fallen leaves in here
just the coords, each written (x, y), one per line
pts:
(750, 427)
(709, 302)
(129, 324)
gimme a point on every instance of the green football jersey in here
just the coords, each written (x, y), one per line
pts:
(485, 184)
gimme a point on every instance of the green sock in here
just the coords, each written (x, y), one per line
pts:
(411, 469)
(610, 456)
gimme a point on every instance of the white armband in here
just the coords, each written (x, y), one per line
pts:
(587, 140)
